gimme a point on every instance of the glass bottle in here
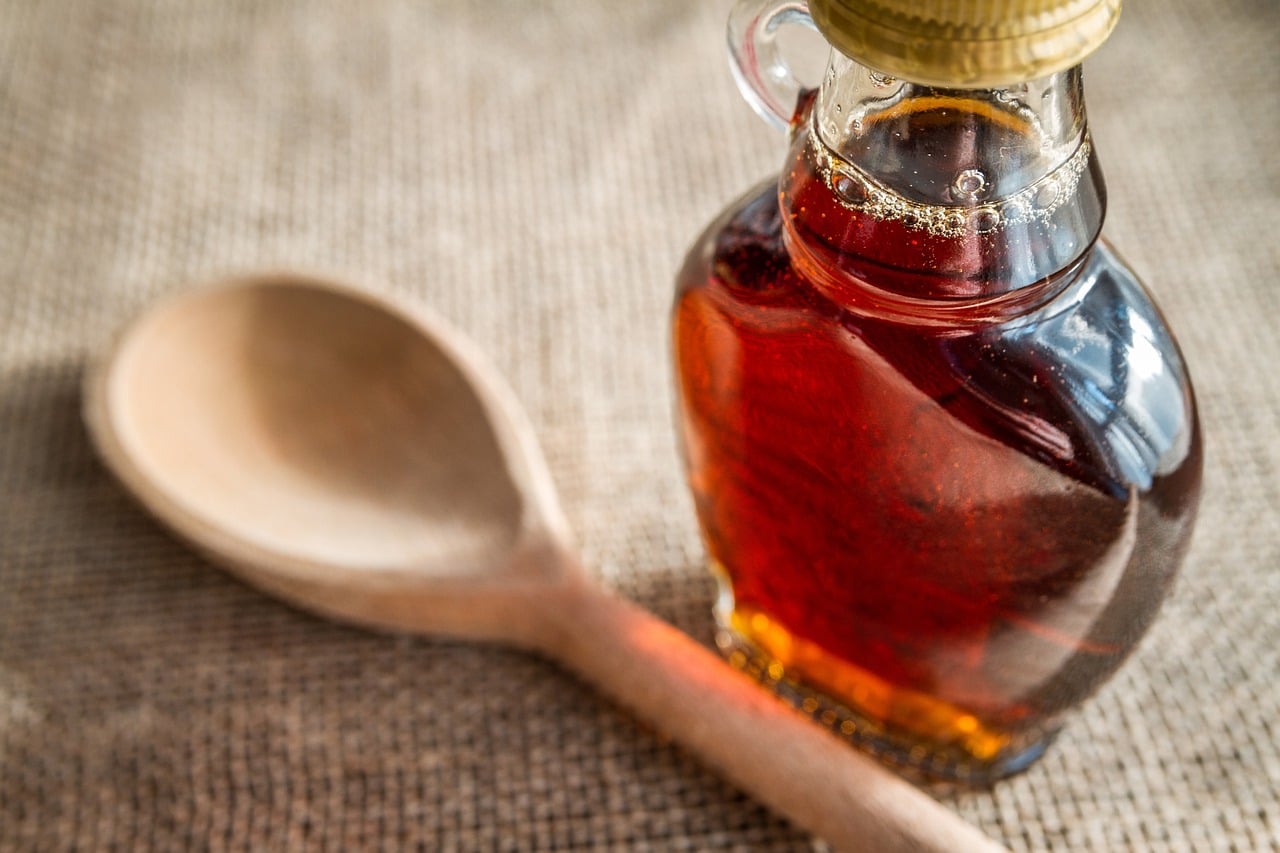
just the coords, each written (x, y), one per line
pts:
(942, 444)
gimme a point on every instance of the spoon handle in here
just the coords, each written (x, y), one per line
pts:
(770, 751)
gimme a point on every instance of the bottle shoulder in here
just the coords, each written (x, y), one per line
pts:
(1120, 363)
(1091, 378)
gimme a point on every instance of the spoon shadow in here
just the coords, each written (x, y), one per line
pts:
(151, 691)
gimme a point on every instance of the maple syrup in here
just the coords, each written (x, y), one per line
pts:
(944, 455)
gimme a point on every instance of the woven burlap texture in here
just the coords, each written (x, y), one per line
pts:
(534, 171)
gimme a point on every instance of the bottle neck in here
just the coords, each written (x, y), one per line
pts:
(925, 193)
(999, 141)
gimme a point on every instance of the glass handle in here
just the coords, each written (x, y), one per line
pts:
(763, 76)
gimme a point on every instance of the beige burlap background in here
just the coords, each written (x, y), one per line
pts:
(534, 171)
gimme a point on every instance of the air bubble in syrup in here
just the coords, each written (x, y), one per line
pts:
(984, 219)
(882, 80)
(849, 189)
(1014, 211)
(1047, 195)
(970, 185)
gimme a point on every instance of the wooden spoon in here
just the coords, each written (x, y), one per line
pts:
(360, 460)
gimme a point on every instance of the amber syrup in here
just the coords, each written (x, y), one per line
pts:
(917, 541)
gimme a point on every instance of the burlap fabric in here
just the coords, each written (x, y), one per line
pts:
(534, 171)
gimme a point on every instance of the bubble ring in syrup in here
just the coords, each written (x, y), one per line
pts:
(951, 220)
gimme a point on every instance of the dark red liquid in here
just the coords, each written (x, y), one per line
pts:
(914, 513)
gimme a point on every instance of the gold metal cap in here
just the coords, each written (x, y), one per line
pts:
(966, 43)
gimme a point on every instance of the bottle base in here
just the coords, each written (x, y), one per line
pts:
(910, 754)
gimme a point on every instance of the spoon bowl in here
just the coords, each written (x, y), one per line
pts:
(318, 441)
(359, 459)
